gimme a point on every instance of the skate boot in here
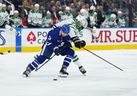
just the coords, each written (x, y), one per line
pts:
(26, 72)
(63, 73)
(82, 70)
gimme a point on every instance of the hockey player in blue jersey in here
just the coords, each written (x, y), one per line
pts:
(58, 42)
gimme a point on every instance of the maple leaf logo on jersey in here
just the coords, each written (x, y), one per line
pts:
(31, 37)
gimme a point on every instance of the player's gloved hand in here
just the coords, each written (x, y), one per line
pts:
(67, 45)
(80, 44)
(57, 51)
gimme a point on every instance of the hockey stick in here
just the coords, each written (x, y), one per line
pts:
(44, 63)
(3, 53)
(50, 59)
(104, 59)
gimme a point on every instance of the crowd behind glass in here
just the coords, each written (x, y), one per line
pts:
(28, 13)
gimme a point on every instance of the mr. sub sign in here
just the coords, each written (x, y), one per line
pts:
(116, 36)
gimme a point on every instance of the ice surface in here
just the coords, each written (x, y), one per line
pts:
(102, 79)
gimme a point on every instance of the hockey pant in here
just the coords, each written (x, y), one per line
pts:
(39, 59)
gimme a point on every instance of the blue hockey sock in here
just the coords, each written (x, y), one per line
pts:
(66, 62)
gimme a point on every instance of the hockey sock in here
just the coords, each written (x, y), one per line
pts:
(76, 61)
(38, 60)
(66, 62)
(33, 65)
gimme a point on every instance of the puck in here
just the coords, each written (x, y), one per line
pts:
(55, 79)
(8, 51)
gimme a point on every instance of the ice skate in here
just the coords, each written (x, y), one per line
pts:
(82, 70)
(63, 73)
(26, 73)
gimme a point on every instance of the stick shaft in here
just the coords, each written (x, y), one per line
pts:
(104, 59)
(44, 63)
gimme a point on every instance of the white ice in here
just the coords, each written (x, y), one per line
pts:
(102, 79)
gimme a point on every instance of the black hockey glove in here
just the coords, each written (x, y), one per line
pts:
(78, 43)
(67, 45)
(57, 51)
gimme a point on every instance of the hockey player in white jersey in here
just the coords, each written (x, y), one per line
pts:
(75, 29)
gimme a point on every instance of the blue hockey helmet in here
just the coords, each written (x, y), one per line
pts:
(65, 28)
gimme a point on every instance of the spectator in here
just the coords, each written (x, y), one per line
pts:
(54, 14)
(4, 16)
(16, 19)
(35, 17)
(10, 9)
(100, 16)
(73, 9)
(93, 19)
(110, 22)
(66, 14)
(121, 19)
(47, 20)
(24, 21)
(27, 4)
(58, 5)
(106, 7)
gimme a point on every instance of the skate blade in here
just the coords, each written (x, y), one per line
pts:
(84, 74)
(25, 75)
(63, 75)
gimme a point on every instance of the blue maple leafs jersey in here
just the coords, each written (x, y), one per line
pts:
(54, 38)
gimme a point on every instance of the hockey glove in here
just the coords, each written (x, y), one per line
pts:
(57, 51)
(67, 45)
(78, 43)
